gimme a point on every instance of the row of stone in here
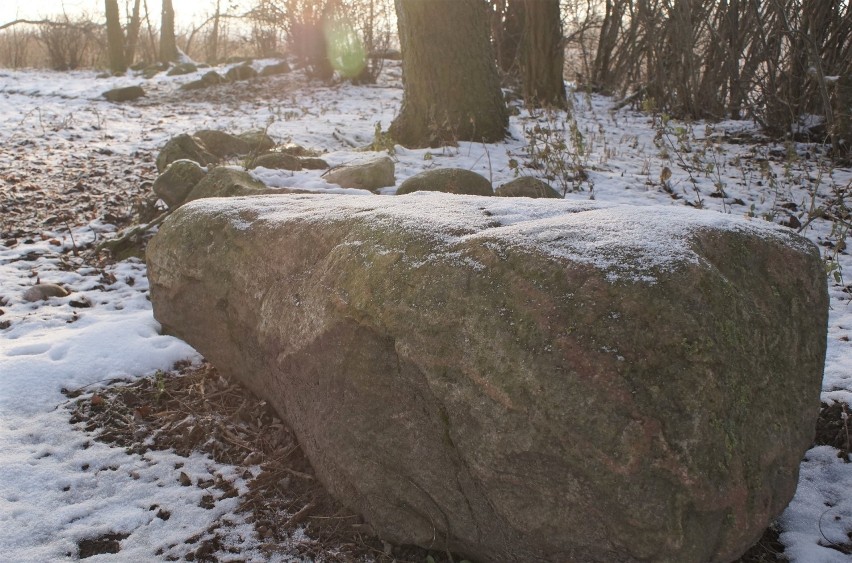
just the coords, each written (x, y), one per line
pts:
(183, 176)
(212, 78)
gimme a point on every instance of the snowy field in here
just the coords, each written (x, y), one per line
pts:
(59, 486)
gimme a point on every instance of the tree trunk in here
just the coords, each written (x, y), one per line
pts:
(601, 71)
(115, 38)
(451, 90)
(133, 33)
(168, 44)
(213, 45)
(542, 55)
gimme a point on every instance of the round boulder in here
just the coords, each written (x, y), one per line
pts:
(527, 186)
(124, 94)
(173, 185)
(447, 180)
(275, 161)
(228, 182)
(184, 147)
(258, 141)
(222, 144)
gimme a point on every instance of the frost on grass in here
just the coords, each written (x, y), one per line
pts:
(628, 242)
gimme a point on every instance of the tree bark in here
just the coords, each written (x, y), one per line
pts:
(115, 38)
(451, 90)
(133, 33)
(168, 43)
(542, 55)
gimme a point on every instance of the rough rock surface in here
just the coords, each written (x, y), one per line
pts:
(181, 69)
(276, 68)
(370, 175)
(228, 182)
(527, 186)
(221, 143)
(313, 163)
(240, 72)
(175, 183)
(184, 147)
(517, 380)
(126, 94)
(258, 141)
(448, 180)
(276, 161)
(211, 78)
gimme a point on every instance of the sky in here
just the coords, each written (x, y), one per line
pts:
(186, 10)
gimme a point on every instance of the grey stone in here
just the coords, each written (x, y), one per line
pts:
(275, 160)
(223, 144)
(447, 180)
(517, 394)
(181, 69)
(370, 175)
(240, 72)
(228, 182)
(125, 94)
(184, 147)
(527, 186)
(178, 179)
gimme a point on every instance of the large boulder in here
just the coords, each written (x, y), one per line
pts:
(175, 183)
(537, 381)
(447, 180)
(184, 147)
(368, 175)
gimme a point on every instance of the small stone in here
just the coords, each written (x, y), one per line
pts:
(44, 291)
(124, 94)
(275, 161)
(370, 175)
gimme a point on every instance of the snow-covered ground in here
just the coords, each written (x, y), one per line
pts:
(58, 486)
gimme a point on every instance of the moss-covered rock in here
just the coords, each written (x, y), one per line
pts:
(223, 181)
(258, 141)
(240, 72)
(175, 183)
(184, 147)
(368, 175)
(527, 186)
(181, 69)
(276, 161)
(447, 180)
(223, 144)
(575, 382)
(126, 94)
(275, 69)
